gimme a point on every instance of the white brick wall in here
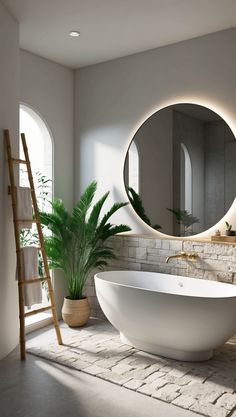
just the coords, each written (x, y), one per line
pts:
(216, 261)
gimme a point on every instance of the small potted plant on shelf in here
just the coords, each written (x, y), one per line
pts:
(77, 246)
(229, 231)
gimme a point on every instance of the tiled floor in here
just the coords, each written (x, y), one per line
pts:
(39, 388)
(207, 388)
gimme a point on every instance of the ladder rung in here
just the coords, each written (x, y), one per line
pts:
(12, 190)
(33, 281)
(39, 310)
(18, 161)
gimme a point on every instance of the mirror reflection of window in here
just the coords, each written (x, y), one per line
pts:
(186, 179)
(133, 172)
(185, 182)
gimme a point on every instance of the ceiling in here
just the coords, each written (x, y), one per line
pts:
(113, 28)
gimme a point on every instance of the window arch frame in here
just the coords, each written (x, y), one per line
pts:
(43, 125)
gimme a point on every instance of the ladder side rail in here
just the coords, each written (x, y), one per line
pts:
(18, 246)
(41, 239)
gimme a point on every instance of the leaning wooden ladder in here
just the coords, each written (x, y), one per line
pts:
(17, 221)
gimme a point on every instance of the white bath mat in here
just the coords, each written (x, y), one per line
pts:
(208, 388)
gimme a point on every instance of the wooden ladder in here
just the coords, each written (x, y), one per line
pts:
(17, 221)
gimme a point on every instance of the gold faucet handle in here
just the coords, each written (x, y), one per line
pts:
(192, 255)
(184, 255)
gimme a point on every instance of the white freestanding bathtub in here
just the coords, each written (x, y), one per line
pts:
(177, 317)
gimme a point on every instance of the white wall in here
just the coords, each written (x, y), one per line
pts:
(114, 98)
(49, 89)
(9, 69)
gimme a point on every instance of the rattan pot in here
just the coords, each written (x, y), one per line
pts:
(75, 313)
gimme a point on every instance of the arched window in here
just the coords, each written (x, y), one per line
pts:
(133, 163)
(40, 147)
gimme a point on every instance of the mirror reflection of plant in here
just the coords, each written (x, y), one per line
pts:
(184, 218)
(137, 204)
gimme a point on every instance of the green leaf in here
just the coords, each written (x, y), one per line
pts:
(77, 243)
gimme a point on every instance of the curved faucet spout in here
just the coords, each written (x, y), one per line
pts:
(184, 255)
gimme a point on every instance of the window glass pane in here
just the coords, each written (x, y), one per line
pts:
(39, 144)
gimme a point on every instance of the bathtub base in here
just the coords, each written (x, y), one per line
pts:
(180, 355)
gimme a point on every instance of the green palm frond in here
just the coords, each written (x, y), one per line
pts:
(115, 207)
(94, 216)
(81, 208)
(77, 243)
(111, 230)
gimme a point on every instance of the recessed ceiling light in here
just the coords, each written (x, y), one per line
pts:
(74, 33)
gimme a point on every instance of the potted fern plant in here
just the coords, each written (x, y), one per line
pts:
(77, 246)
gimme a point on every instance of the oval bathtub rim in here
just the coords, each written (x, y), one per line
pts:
(164, 292)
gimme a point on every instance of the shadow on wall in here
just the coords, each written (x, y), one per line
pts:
(101, 155)
(8, 293)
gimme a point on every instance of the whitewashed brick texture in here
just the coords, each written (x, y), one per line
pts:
(216, 261)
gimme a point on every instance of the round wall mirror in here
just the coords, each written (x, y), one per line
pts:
(180, 169)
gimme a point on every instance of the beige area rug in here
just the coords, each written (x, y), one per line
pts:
(207, 388)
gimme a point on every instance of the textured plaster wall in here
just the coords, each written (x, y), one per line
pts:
(9, 93)
(114, 98)
(49, 89)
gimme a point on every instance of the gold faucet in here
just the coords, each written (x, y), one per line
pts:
(184, 255)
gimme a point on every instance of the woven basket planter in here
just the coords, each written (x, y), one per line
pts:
(76, 313)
